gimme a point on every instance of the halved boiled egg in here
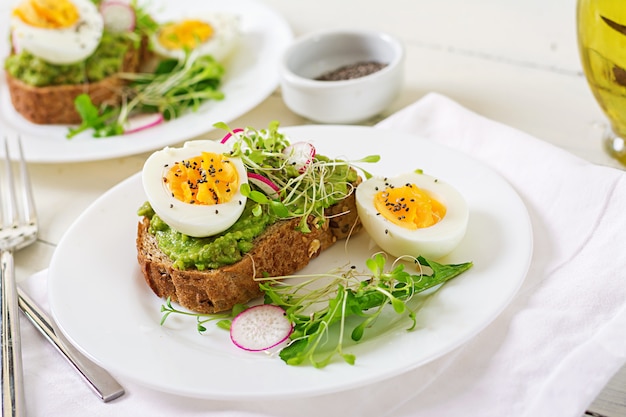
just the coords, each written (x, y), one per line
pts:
(412, 214)
(195, 189)
(57, 31)
(214, 34)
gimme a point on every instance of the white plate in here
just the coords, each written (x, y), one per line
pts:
(251, 76)
(100, 301)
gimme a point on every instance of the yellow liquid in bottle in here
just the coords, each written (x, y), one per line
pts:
(602, 44)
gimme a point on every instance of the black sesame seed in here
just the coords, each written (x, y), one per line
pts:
(355, 70)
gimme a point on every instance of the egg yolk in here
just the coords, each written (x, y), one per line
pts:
(48, 14)
(206, 179)
(409, 206)
(185, 35)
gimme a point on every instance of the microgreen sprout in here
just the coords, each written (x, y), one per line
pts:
(223, 320)
(316, 304)
(304, 191)
(172, 89)
(350, 293)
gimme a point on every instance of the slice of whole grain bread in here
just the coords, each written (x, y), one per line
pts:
(54, 104)
(280, 250)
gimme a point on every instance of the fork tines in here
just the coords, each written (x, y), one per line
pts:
(16, 212)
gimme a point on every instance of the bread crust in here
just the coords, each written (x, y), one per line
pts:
(55, 104)
(280, 250)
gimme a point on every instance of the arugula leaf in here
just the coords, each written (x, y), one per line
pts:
(367, 299)
(347, 295)
(93, 118)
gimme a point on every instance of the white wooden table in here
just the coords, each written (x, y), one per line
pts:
(512, 61)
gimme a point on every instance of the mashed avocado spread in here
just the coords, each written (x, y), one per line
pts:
(208, 252)
(105, 61)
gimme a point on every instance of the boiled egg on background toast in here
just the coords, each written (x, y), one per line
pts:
(412, 214)
(195, 189)
(57, 31)
(214, 34)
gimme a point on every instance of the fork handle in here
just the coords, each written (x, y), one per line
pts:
(13, 404)
(97, 378)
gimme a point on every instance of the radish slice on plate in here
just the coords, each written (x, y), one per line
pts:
(260, 327)
(143, 121)
(118, 16)
(268, 187)
(300, 154)
(15, 45)
(230, 134)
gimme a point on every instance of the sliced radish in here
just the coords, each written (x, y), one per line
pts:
(268, 187)
(260, 327)
(300, 154)
(143, 121)
(118, 16)
(230, 134)
(17, 48)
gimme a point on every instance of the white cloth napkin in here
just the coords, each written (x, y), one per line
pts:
(548, 354)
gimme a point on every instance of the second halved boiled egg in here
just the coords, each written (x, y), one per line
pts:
(412, 214)
(195, 189)
(214, 34)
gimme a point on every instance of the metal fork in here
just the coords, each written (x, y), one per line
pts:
(18, 228)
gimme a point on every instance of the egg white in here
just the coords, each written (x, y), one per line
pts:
(222, 42)
(191, 219)
(65, 45)
(432, 242)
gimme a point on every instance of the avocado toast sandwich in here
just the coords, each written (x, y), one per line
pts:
(220, 215)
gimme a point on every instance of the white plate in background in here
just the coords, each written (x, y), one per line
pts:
(251, 76)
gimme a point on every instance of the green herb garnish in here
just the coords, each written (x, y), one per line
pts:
(315, 307)
(303, 192)
(223, 320)
(349, 294)
(174, 88)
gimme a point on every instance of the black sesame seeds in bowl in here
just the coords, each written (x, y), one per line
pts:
(351, 71)
(342, 76)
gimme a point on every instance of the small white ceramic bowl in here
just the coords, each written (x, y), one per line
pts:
(344, 101)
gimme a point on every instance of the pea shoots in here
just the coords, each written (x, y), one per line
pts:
(316, 310)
